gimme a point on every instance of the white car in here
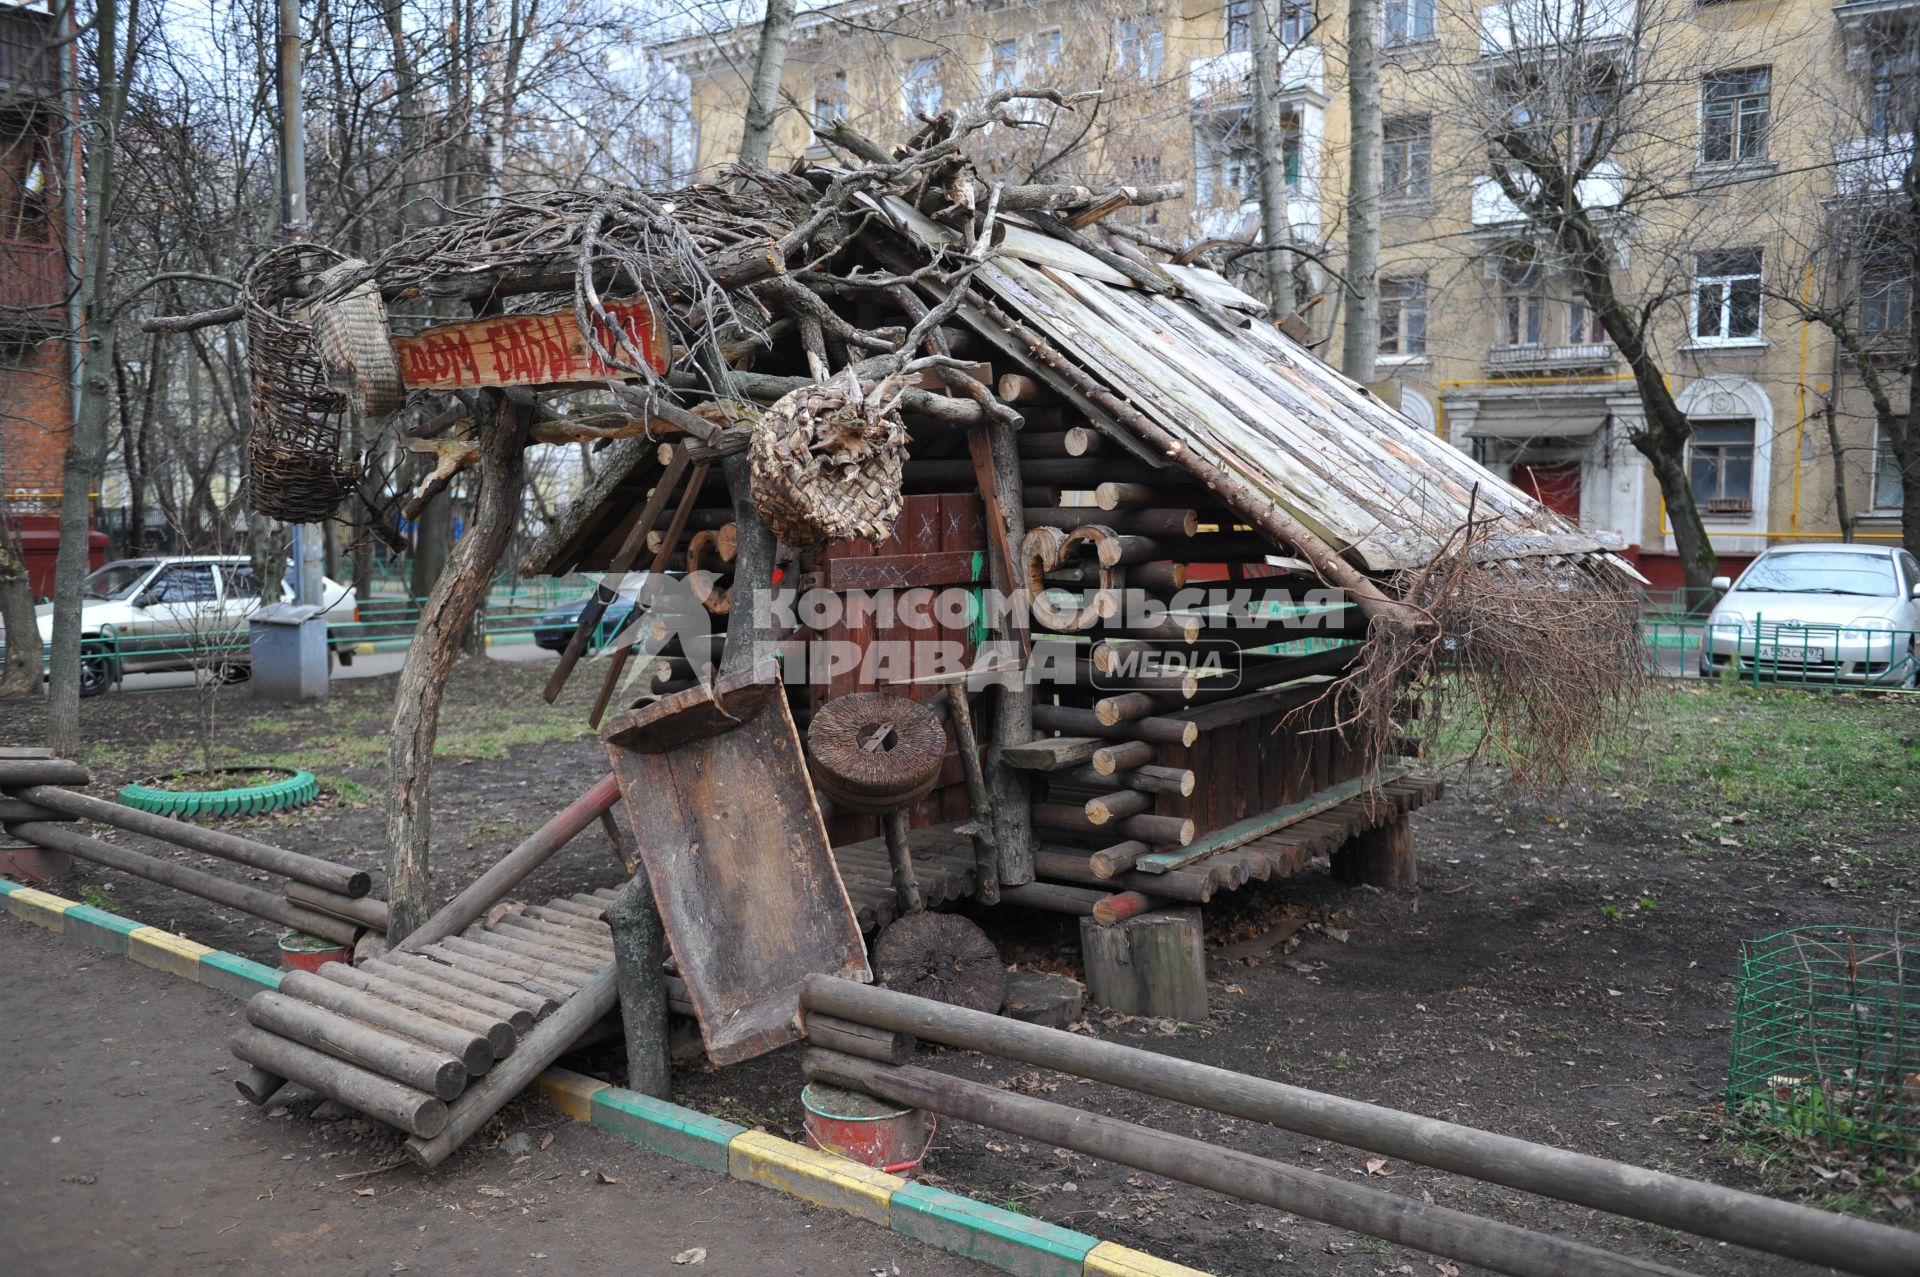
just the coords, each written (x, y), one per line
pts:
(1819, 613)
(179, 613)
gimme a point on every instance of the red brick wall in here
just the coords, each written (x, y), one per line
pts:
(35, 417)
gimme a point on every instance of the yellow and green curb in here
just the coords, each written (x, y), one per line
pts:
(1002, 1239)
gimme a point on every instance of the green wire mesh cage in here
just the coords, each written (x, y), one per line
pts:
(1826, 1038)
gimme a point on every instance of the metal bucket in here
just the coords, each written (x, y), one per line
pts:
(302, 952)
(869, 1131)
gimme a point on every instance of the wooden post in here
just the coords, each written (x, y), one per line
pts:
(640, 952)
(456, 597)
(1379, 857)
(996, 457)
(986, 854)
(1150, 965)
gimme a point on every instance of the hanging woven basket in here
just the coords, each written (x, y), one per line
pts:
(827, 464)
(297, 470)
(351, 337)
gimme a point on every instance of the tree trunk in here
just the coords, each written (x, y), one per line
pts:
(436, 645)
(1269, 142)
(20, 676)
(432, 533)
(763, 91)
(87, 444)
(1362, 335)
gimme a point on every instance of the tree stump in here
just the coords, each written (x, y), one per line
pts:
(1380, 857)
(1150, 965)
(1040, 997)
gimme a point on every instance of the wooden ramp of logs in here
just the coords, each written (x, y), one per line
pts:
(436, 1041)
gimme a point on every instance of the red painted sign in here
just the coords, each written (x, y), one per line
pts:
(524, 350)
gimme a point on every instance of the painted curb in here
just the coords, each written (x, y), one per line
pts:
(1013, 1243)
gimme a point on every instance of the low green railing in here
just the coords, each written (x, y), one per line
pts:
(1759, 651)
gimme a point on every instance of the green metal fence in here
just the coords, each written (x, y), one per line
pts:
(1757, 651)
(1826, 1038)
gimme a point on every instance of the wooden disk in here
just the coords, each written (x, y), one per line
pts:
(876, 750)
(941, 956)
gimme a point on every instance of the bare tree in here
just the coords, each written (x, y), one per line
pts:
(1363, 190)
(763, 91)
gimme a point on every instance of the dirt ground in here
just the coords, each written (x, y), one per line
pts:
(1563, 971)
(128, 1152)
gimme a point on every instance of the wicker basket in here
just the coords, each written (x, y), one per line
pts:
(295, 468)
(351, 337)
(827, 465)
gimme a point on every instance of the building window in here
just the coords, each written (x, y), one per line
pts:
(830, 98)
(1406, 158)
(1726, 296)
(1239, 25)
(1733, 115)
(1240, 169)
(1523, 300)
(1720, 465)
(920, 88)
(1296, 22)
(1886, 293)
(1583, 324)
(1046, 49)
(1141, 48)
(26, 189)
(1003, 65)
(1403, 315)
(1896, 95)
(1407, 22)
(1887, 489)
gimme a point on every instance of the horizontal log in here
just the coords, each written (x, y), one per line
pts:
(597, 952)
(862, 1040)
(1112, 861)
(1438, 1230)
(1073, 865)
(1104, 809)
(1077, 902)
(412, 969)
(550, 1039)
(1161, 523)
(1244, 709)
(222, 891)
(549, 962)
(1241, 832)
(1152, 779)
(1051, 753)
(19, 773)
(503, 968)
(1177, 830)
(435, 1072)
(1126, 755)
(1079, 441)
(578, 921)
(473, 1050)
(17, 810)
(259, 1086)
(1016, 388)
(380, 1098)
(1085, 722)
(368, 911)
(1121, 905)
(1129, 707)
(1634, 1192)
(442, 1004)
(299, 867)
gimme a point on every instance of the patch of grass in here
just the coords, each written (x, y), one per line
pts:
(100, 897)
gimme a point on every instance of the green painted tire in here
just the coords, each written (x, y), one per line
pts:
(293, 789)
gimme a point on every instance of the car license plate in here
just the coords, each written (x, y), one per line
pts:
(1791, 653)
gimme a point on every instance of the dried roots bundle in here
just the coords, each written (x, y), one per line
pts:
(1537, 660)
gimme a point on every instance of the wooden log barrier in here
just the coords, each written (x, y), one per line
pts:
(550, 1039)
(1061, 864)
(1724, 1214)
(19, 810)
(365, 910)
(473, 1051)
(19, 773)
(1451, 1234)
(411, 968)
(491, 965)
(500, 1034)
(259, 1086)
(869, 1043)
(1177, 830)
(380, 1098)
(435, 1072)
(294, 865)
(235, 895)
(1085, 722)
(1077, 902)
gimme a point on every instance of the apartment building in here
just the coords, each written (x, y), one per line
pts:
(1729, 152)
(36, 387)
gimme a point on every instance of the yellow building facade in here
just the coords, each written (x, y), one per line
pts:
(1730, 138)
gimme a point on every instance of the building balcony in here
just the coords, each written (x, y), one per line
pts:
(27, 66)
(1553, 24)
(1226, 77)
(1585, 356)
(1872, 165)
(1601, 191)
(1241, 221)
(32, 277)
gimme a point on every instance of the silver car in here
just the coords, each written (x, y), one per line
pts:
(1820, 613)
